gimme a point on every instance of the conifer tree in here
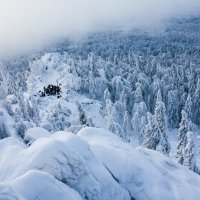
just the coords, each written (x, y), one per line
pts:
(152, 133)
(160, 110)
(125, 126)
(188, 106)
(182, 136)
(189, 153)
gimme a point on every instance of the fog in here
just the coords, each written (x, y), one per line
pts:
(29, 24)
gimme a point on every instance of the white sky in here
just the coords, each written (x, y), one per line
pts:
(31, 23)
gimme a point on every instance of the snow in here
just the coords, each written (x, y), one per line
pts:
(44, 186)
(146, 174)
(35, 133)
(12, 99)
(93, 165)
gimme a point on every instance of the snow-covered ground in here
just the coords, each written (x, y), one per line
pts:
(94, 164)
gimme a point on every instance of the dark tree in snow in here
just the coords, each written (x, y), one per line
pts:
(82, 116)
(3, 128)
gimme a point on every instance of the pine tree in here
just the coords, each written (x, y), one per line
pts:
(152, 133)
(10, 83)
(188, 106)
(36, 114)
(109, 114)
(182, 136)
(160, 110)
(138, 97)
(106, 95)
(82, 116)
(58, 118)
(125, 126)
(7, 82)
(22, 106)
(189, 153)
(142, 129)
(173, 108)
(196, 103)
(139, 112)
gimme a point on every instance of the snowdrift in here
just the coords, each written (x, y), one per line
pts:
(93, 165)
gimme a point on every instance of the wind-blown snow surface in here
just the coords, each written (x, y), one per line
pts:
(94, 164)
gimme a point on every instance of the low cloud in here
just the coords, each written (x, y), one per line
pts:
(27, 24)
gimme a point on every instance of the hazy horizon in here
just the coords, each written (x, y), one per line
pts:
(27, 24)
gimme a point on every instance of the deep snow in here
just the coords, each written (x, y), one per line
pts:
(94, 164)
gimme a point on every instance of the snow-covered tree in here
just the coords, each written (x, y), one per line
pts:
(189, 153)
(196, 107)
(125, 126)
(182, 136)
(59, 118)
(173, 108)
(160, 110)
(82, 116)
(139, 112)
(188, 106)
(152, 133)
(35, 111)
(7, 83)
(109, 114)
(22, 106)
(142, 129)
(138, 97)
(107, 94)
(20, 81)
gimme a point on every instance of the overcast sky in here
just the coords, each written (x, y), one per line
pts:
(31, 23)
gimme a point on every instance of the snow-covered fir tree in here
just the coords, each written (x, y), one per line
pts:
(189, 153)
(82, 116)
(152, 133)
(125, 126)
(142, 129)
(188, 106)
(58, 118)
(160, 110)
(22, 105)
(182, 136)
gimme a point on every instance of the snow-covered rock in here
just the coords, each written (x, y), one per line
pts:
(35, 133)
(146, 174)
(44, 186)
(93, 165)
